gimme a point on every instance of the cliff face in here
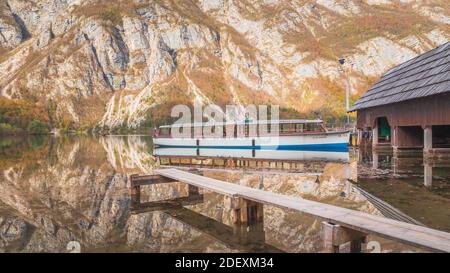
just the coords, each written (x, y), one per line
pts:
(123, 63)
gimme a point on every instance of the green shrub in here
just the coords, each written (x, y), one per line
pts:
(37, 141)
(8, 129)
(5, 126)
(37, 127)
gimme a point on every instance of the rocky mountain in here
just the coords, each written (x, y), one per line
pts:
(124, 63)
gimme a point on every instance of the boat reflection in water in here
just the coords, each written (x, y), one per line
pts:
(285, 155)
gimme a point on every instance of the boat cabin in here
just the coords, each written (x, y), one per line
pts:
(245, 129)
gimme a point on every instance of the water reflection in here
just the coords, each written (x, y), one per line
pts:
(413, 165)
(57, 190)
(249, 237)
(415, 185)
(254, 154)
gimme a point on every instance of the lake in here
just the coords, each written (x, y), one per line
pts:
(72, 193)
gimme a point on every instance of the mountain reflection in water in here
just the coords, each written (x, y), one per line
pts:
(57, 190)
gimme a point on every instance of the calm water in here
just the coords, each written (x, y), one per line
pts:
(56, 193)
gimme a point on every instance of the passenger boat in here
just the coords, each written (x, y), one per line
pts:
(300, 135)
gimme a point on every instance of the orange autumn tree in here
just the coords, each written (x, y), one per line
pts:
(17, 115)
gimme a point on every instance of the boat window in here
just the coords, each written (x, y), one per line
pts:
(208, 131)
(299, 127)
(164, 131)
(284, 128)
(241, 130)
(312, 127)
(197, 131)
(229, 130)
(263, 129)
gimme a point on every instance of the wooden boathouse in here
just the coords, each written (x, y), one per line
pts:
(408, 108)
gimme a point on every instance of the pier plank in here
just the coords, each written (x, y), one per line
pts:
(371, 224)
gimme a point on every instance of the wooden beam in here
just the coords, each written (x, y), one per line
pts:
(149, 180)
(334, 236)
(168, 204)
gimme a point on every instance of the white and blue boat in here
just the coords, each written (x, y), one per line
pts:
(290, 135)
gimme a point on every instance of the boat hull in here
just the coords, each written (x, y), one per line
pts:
(332, 142)
(252, 154)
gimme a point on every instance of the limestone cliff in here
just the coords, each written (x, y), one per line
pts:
(124, 63)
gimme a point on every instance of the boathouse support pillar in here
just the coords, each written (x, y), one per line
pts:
(335, 235)
(375, 136)
(427, 139)
(375, 159)
(359, 137)
(395, 138)
(428, 174)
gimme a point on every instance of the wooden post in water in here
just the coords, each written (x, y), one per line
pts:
(247, 218)
(246, 212)
(135, 191)
(255, 212)
(239, 211)
(193, 190)
(335, 235)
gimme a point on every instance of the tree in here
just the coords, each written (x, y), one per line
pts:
(37, 127)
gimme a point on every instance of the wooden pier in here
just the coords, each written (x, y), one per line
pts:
(340, 225)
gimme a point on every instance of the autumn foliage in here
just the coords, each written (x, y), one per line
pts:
(21, 116)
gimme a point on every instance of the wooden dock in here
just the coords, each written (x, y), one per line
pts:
(340, 225)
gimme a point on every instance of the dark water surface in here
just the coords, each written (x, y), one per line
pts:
(60, 193)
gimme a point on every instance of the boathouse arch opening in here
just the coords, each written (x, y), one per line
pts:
(383, 130)
(408, 137)
(441, 136)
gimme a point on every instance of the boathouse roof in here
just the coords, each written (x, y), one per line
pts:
(425, 75)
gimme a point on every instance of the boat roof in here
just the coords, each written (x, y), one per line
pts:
(281, 121)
